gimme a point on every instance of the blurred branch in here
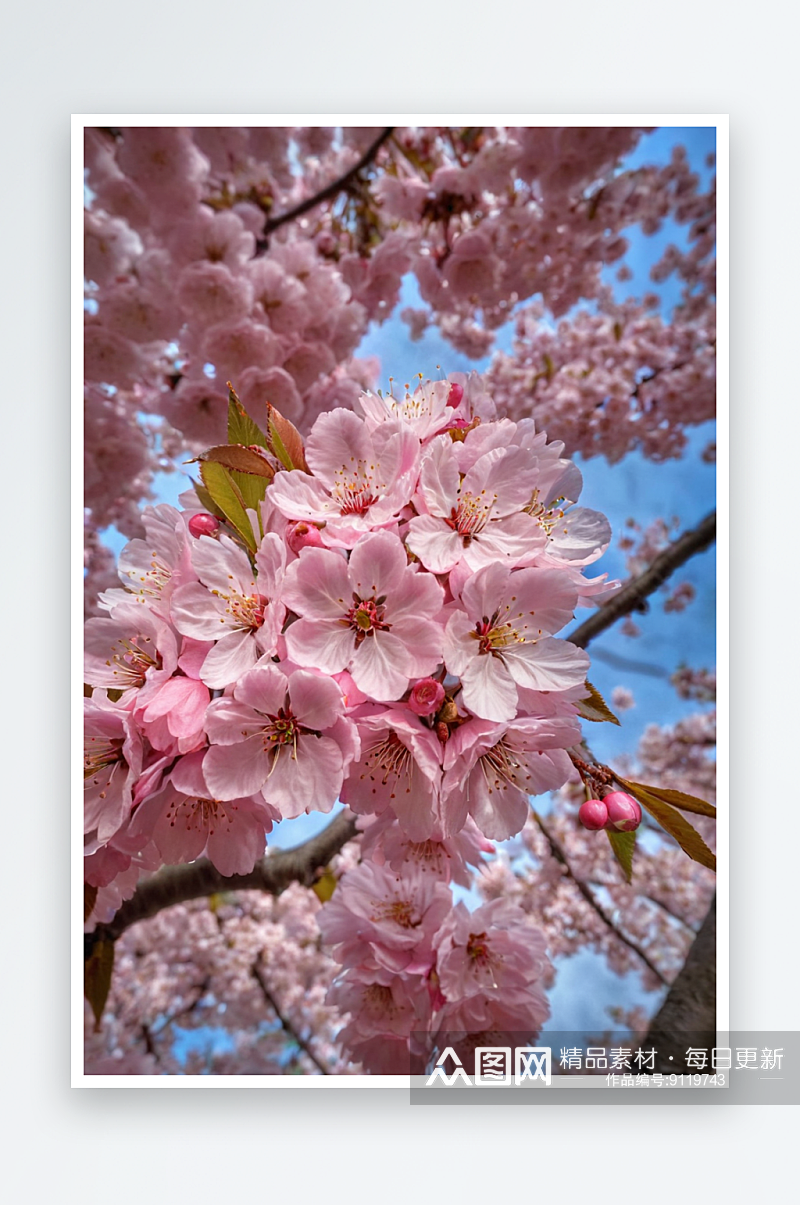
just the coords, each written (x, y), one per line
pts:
(285, 1022)
(632, 596)
(559, 853)
(331, 190)
(273, 874)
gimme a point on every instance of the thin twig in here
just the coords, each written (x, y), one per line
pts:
(632, 595)
(285, 1022)
(559, 854)
(331, 190)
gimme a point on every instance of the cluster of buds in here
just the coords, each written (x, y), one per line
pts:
(617, 812)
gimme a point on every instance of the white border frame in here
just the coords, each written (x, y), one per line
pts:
(79, 122)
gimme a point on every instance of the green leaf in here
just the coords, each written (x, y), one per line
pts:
(325, 886)
(241, 459)
(226, 495)
(252, 489)
(89, 898)
(207, 501)
(595, 708)
(241, 427)
(97, 967)
(623, 845)
(673, 822)
(686, 803)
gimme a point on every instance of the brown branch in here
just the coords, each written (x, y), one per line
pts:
(632, 595)
(285, 1022)
(331, 190)
(688, 1016)
(559, 854)
(273, 874)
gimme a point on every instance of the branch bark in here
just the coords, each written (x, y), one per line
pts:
(273, 874)
(632, 596)
(331, 190)
(688, 1016)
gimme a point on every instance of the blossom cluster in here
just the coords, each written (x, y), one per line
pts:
(388, 639)
(195, 274)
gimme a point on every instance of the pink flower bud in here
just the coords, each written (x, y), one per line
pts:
(427, 696)
(455, 395)
(303, 535)
(593, 814)
(624, 813)
(203, 525)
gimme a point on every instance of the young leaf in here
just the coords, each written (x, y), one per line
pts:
(623, 845)
(595, 708)
(242, 460)
(252, 489)
(673, 822)
(324, 886)
(97, 967)
(686, 803)
(241, 427)
(207, 501)
(285, 440)
(227, 496)
(89, 898)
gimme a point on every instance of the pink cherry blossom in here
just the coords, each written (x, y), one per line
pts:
(184, 820)
(478, 518)
(374, 616)
(496, 767)
(501, 638)
(360, 481)
(239, 609)
(282, 735)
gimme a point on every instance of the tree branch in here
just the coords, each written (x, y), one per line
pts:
(559, 854)
(688, 1016)
(632, 596)
(324, 194)
(285, 1022)
(273, 874)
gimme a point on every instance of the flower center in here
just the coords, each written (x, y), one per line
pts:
(547, 518)
(494, 637)
(471, 515)
(99, 754)
(203, 815)
(356, 491)
(477, 948)
(500, 767)
(365, 617)
(247, 610)
(133, 661)
(400, 912)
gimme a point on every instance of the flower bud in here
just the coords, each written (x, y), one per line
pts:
(624, 813)
(303, 535)
(593, 814)
(426, 696)
(442, 732)
(455, 395)
(203, 524)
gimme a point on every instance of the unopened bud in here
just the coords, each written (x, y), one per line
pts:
(303, 535)
(442, 731)
(593, 814)
(624, 813)
(455, 395)
(203, 524)
(426, 696)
